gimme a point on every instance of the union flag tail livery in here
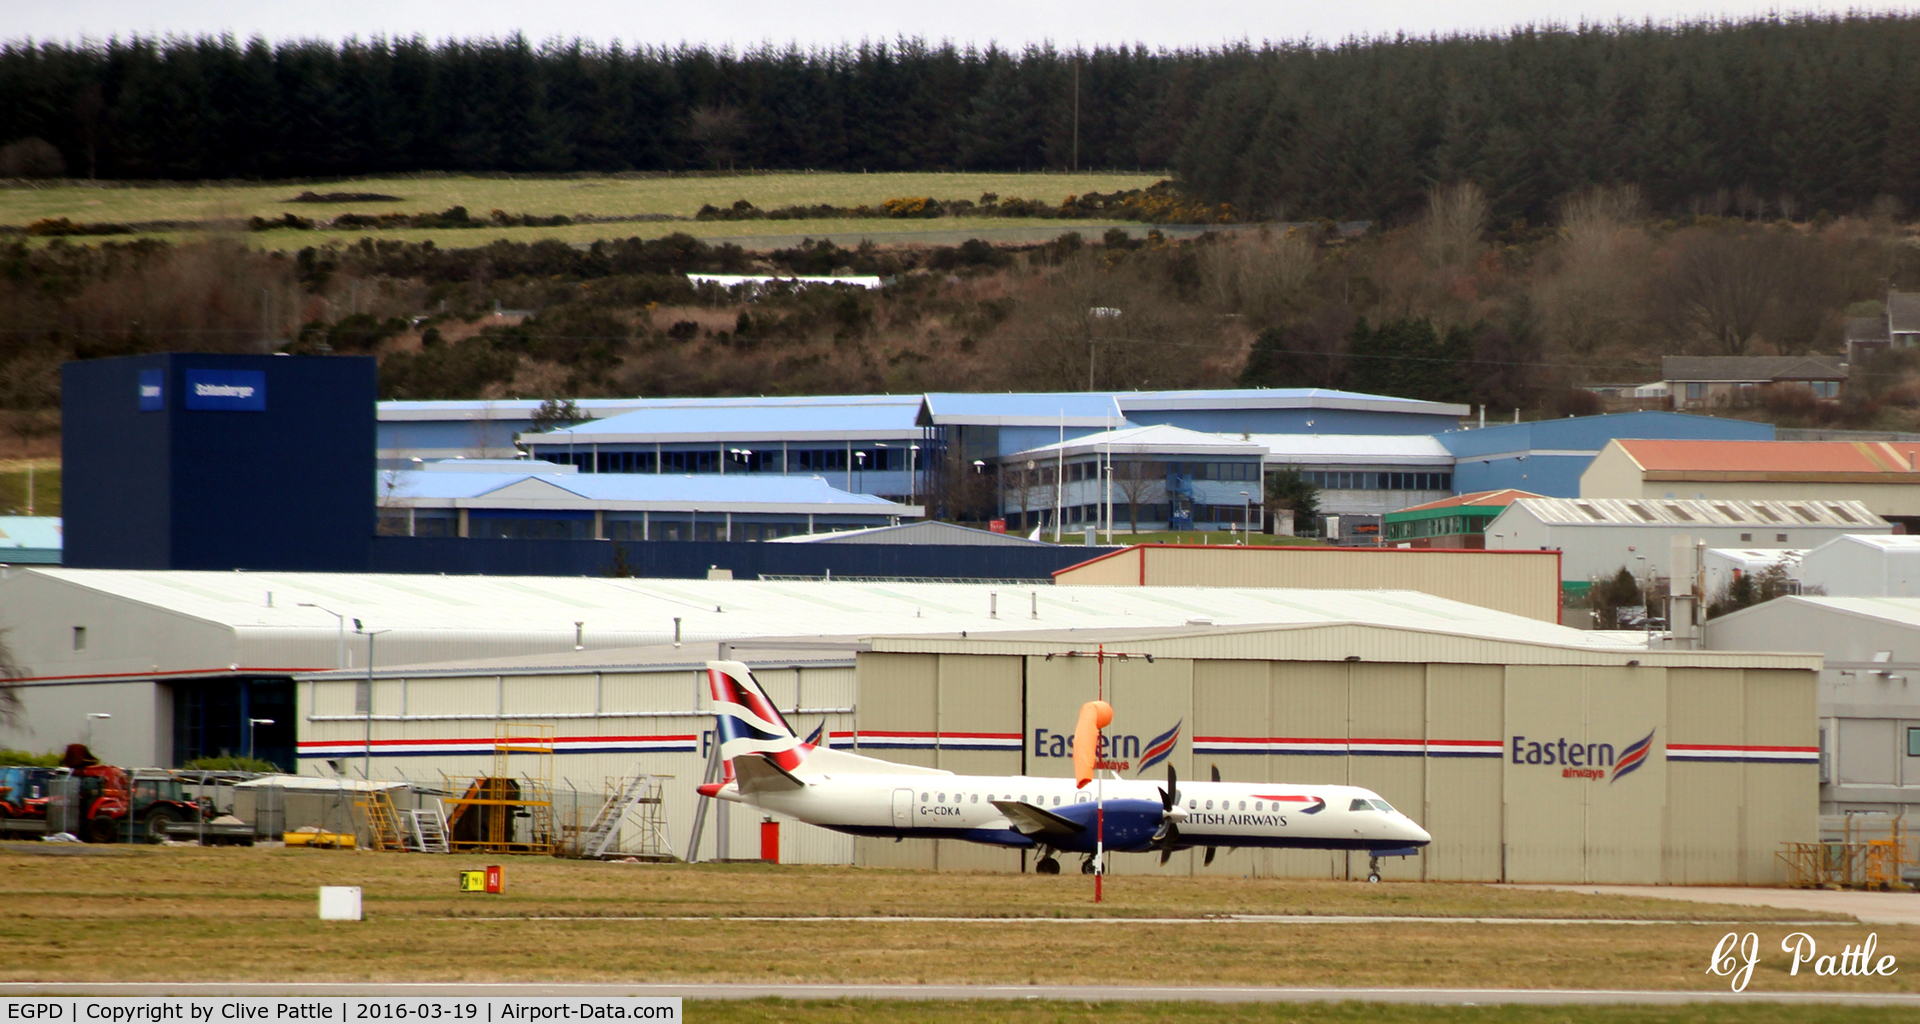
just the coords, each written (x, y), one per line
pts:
(747, 722)
(769, 767)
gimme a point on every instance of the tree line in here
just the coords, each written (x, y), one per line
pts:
(1777, 117)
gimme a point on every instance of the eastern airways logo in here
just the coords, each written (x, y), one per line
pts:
(1118, 751)
(1593, 761)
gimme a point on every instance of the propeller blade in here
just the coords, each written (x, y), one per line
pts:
(1210, 852)
(1172, 796)
(1165, 854)
(1216, 773)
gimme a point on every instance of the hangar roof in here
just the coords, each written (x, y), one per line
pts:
(168, 622)
(1696, 512)
(1160, 439)
(1771, 457)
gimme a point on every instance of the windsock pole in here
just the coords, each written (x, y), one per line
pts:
(1099, 786)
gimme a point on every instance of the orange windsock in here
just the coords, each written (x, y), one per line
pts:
(1095, 715)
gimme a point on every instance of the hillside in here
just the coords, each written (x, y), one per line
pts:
(1449, 307)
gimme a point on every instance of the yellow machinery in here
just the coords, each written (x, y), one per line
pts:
(1863, 858)
(511, 809)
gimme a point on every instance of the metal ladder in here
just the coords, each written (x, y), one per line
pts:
(383, 822)
(604, 831)
(429, 830)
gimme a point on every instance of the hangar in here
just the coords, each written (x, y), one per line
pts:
(1532, 752)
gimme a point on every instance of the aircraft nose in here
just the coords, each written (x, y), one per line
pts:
(1416, 834)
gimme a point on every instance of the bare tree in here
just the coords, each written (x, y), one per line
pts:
(1139, 482)
(716, 129)
(10, 671)
(1455, 220)
(1017, 483)
(1720, 284)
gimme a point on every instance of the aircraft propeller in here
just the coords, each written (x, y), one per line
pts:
(1169, 835)
(1212, 850)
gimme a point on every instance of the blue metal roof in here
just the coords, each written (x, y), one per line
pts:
(1080, 408)
(1588, 434)
(828, 418)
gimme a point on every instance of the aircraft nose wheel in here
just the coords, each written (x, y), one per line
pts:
(1046, 866)
(1373, 869)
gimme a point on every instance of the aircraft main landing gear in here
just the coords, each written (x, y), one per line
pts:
(1086, 866)
(1046, 866)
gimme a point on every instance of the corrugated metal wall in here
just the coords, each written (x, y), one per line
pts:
(1517, 771)
(618, 721)
(1520, 582)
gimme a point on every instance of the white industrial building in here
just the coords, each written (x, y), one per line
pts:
(1719, 567)
(1597, 537)
(1869, 691)
(1423, 699)
(1857, 565)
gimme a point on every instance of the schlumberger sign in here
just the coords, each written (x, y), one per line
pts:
(227, 390)
(1581, 760)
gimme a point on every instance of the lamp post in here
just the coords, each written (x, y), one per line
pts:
(251, 722)
(860, 472)
(980, 470)
(91, 715)
(913, 472)
(743, 454)
(1246, 509)
(366, 764)
(340, 641)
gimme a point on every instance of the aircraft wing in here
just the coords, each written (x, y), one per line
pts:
(757, 773)
(1029, 820)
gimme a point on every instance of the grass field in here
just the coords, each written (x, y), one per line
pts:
(603, 197)
(189, 910)
(13, 487)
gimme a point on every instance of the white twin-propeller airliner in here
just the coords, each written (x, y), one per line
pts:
(768, 766)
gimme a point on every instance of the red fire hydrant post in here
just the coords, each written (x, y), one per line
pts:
(770, 841)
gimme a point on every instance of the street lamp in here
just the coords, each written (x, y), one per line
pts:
(913, 472)
(1246, 509)
(743, 454)
(251, 722)
(340, 642)
(91, 715)
(366, 764)
(860, 469)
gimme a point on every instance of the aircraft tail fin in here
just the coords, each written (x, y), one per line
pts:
(746, 721)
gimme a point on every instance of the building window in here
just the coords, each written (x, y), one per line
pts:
(79, 638)
(1696, 392)
(1825, 388)
(1780, 538)
(1913, 742)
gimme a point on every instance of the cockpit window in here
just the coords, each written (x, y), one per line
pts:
(1360, 805)
(1382, 805)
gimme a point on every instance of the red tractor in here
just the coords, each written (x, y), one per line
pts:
(106, 804)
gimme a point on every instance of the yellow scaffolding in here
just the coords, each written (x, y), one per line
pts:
(511, 809)
(1861, 859)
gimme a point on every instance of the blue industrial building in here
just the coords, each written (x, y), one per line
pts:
(867, 444)
(190, 461)
(1547, 456)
